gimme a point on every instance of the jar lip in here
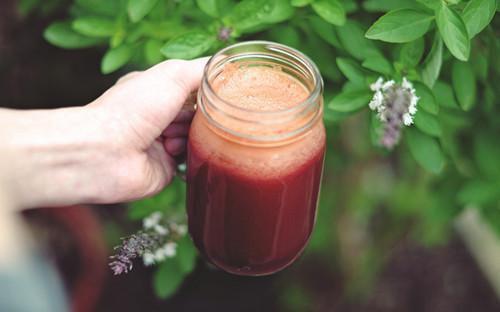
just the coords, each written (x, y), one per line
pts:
(311, 98)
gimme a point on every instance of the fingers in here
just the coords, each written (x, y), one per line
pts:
(177, 130)
(175, 146)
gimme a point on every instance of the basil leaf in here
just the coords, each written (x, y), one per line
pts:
(352, 37)
(425, 150)
(300, 3)
(427, 123)
(137, 9)
(62, 35)
(444, 95)
(432, 63)
(330, 10)
(464, 84)
(378, 64)
(427, 101)
(477, 14)
(350, 101)
(167, 278)
(94, 26)
(115, 58)
(411, 53)
(325, 30)
(351, 70)
(402, 25)
(453, 31)
(188, 45)
(152, 51)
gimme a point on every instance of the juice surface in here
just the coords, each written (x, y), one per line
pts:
(251, 209)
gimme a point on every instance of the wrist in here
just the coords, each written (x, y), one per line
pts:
(51, 157)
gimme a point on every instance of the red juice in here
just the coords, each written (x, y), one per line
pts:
(255, 159)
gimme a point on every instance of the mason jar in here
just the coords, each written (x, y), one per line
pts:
(255, 157)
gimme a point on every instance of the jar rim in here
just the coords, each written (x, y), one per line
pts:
(270, 45)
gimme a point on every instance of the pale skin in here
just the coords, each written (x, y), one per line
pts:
(120, 147)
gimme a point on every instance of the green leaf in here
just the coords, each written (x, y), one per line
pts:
(62, 35)
(432, 63)
(351, 70)
(487, 154)
(330, 10)
(388, 5)
(210, 7)
(411, 53)
(249, 14)
(464, 84)
(444, 95)
(160, 202)
(350, 101)
(478, 192)
(453, 31)
(186, 254)
(137, 9)
(108, 8)
(152, 52)
(301, 3)
(427, 101)
(168, 278)
(402, 25)
(379, 64)
(431, 4)
(325, 30)
(352, 37)
(427, 123)
(285, 34)
(477, 14)
(188, 45)
(94, 26)
(425, 150)
(115, 58)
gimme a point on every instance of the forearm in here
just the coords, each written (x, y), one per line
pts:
(51, 157)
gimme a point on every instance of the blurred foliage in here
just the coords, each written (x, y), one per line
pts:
(371, 197)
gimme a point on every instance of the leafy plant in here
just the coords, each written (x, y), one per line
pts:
(446, 51)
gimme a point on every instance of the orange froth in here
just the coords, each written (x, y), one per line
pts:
(259, 88)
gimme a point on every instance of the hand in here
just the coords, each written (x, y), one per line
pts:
(118, 148)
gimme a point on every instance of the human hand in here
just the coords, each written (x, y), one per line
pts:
(118, 148)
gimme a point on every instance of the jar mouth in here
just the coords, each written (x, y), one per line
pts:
(287, 51)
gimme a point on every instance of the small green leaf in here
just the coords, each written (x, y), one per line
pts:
(402, 25)
(427, 101)
(411, 52)
(478, 192)
(431, 4)
(425, 150)
(352, 37)
(388, 5)
(432, 63)
(351, 70)
(331, 11)
(477, 14)
(115, 58)
(62, 35)
(250, 14)
(444, 95)
(285, 34)
(301, 3)
(210, 7)
(427, 123)
(160, 202)
(453, 31)
(487, 154)
(325, 30)
(152, 52)
(464, 84)
(167, 278)
(189, 45)
(95, 26)
(379, 64)
(350, 101)
(186, 254)
(137, 9)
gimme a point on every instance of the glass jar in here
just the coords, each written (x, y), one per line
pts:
(254, 173)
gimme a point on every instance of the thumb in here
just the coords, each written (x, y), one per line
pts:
(152, 99)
